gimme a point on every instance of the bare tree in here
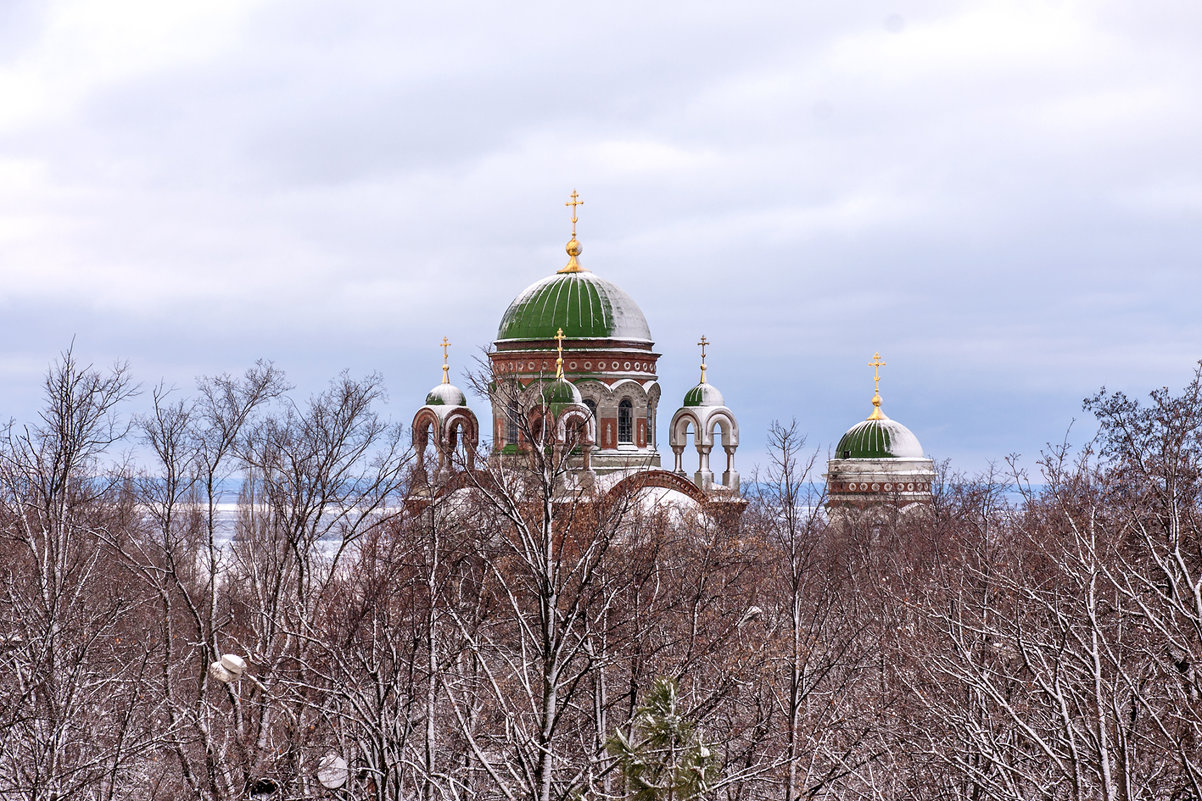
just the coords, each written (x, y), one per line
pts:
(494, 632)
(181, 557)
(73, 718)
(548, 591)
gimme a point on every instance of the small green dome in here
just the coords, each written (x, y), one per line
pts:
(446, 395)
(878, 439)
(704, 395)
(583, 305)
(560, 391)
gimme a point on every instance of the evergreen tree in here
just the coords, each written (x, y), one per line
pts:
(665, 758)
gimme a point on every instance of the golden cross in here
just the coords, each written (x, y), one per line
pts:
(876, 364)
(559, 337)
(445, 369)
(574, 203)
(703, 343)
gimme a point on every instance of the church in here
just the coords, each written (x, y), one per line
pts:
(574, 371)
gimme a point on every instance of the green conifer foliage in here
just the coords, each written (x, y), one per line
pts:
(665, 758)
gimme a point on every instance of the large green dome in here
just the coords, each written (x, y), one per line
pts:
(878, 439)
(583, 305)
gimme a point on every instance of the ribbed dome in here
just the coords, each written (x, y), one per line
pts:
(446, 395)
(583, 305)
(704, 395)
(559, 393)
(878, 439)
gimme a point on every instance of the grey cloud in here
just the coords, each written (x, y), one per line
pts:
(341, 186)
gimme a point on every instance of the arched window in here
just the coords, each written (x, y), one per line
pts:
(511, 422)
(592, 407)
(650, 427)
(625, 423)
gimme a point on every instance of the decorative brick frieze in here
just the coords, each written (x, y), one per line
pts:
(886, 487)
(580, 358)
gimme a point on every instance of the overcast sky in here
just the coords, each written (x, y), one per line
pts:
(1004, 199)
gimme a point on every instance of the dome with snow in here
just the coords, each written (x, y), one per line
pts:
(583, 305)
(446, 395)
(559, 393)
(703, 395)
(880, 438)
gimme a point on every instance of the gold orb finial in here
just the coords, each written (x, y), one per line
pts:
(445, 367)
(703, 343)
(574, 247)
(876, 364)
